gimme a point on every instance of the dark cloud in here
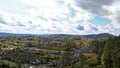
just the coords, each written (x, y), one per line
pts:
(53, 19)
(19, 23)
(94, 6)
(94, 28)
(30, 22)
(2, 20)
(118, 16)
(118, 19)
(42, 18)
(79, 27)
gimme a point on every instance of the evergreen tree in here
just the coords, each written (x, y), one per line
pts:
(111, 54)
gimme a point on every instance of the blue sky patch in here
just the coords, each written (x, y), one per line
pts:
(100, 21)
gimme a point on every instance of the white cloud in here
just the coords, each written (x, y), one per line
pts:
(39, 26)
(60, 17)
(105, 8)
(113, 11)
(41, 3)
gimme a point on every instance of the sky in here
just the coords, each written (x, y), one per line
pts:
(78, 17)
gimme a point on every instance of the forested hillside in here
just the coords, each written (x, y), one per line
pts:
(111, 53)
(60, 51)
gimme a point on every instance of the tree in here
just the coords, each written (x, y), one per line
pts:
(3, 65)
(69, 46)
(111, 53)
(66, 59)
(19, 65)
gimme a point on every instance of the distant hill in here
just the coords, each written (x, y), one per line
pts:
(12, 34)
(102, 35)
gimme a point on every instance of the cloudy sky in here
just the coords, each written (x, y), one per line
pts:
(60, 16)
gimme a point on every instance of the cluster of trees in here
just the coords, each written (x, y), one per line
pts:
(3, 65)
(111, 53)
(107, 51)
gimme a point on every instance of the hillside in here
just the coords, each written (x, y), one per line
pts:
(69, 51)
(102, 35)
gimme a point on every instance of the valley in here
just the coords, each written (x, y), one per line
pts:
(55, 51)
